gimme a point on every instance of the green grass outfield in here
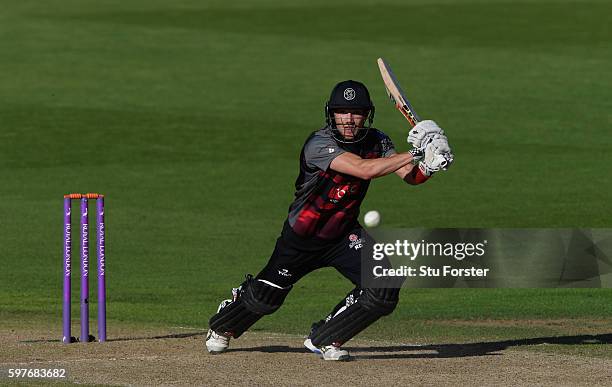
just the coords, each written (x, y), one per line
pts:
(189, 116)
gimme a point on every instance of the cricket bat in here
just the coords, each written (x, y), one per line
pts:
(396, 94)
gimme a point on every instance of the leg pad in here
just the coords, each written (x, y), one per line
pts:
(355, 316)
(255, 299)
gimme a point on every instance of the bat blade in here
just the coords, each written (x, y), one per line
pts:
(396, 94)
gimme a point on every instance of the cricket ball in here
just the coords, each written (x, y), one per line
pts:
(371, 219)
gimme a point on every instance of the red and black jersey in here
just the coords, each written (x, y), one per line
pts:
(327, 202)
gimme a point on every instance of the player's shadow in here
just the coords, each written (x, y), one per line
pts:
(157, 337)
(160, 337)
(488, 348)
(270, 349)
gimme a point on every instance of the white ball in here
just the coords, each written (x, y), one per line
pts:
(371, 219)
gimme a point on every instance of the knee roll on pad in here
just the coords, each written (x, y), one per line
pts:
(233, 320)
(256, 298)
(369, 307)
(383, 300)
(263, 297)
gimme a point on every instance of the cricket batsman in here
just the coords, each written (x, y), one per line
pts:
(322, 229)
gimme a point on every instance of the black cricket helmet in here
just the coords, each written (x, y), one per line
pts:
(349, 95)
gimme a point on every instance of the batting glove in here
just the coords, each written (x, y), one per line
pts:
(417, 154)
(423, 132)
(438, 156)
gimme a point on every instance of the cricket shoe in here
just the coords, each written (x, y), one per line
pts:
(328, 352)
(217, 342)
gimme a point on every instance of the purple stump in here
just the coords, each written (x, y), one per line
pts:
(84, 272)
(101, 269)
(66, 273)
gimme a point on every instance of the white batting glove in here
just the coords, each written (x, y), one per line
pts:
(423, 133)
(417, 154)
(438, 155)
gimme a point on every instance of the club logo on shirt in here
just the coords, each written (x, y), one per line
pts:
(349, 94)
(355, 242)
(331, 150)
(341, 191)
(337, 193)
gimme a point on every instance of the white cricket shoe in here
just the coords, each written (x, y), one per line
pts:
(329, 352)
(216, 342)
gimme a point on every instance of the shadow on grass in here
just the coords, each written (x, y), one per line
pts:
(488, 348)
